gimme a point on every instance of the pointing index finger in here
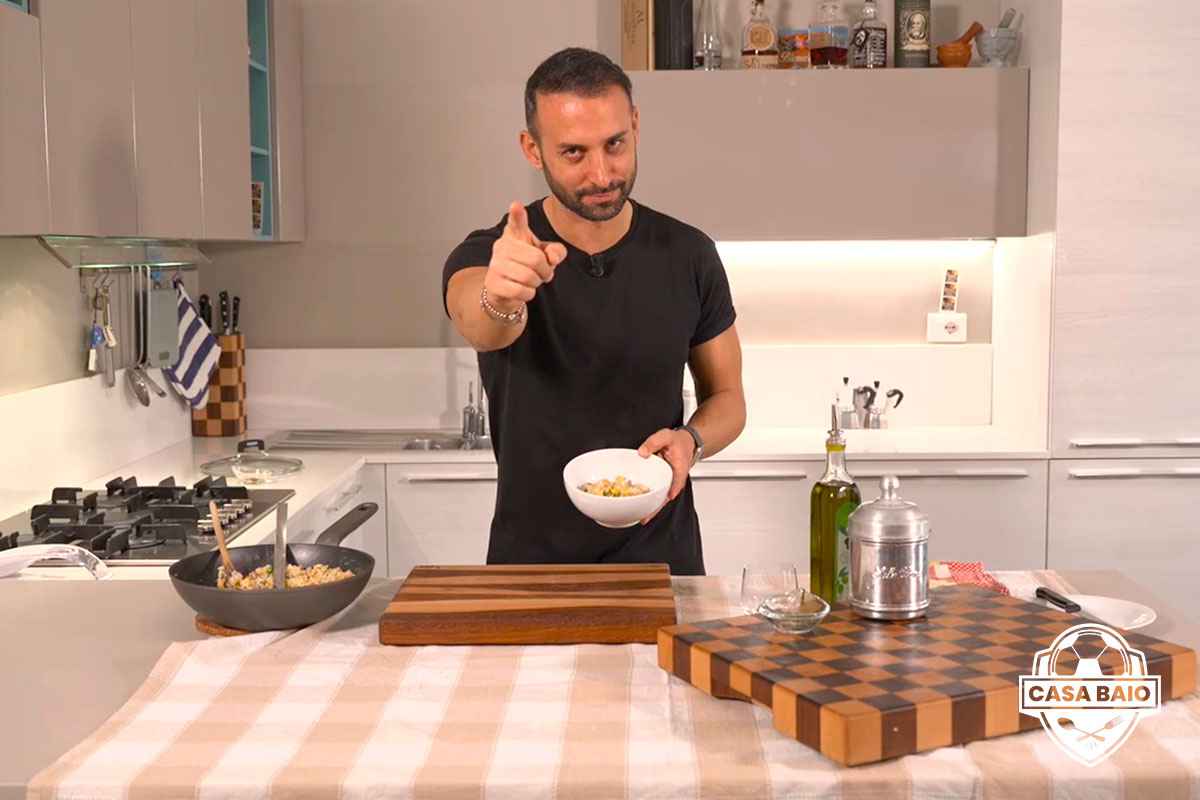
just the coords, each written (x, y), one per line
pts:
(518, 223)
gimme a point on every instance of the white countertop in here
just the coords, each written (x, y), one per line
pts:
(323, 468)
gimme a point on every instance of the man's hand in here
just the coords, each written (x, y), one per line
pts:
(520, 263)
(677, 448)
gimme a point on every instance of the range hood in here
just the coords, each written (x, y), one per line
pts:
(93, 252)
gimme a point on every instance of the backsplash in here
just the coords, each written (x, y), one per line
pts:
(785, 386)
(45, 317)
(838, 293)
(72, 431)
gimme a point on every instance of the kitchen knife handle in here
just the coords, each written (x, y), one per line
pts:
(1053, 597)
(237, 306)
(205, 310)
(224, 300)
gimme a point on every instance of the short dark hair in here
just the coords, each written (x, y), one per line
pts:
(576, 70)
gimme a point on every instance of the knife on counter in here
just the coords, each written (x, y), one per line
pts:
(1065, 604)
(1055, 599)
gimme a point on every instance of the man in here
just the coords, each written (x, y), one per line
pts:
(584, 307)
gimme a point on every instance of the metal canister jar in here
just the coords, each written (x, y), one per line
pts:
(889, 556)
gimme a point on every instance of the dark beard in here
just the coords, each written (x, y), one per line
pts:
(594, 213)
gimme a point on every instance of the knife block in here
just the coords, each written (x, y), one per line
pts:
(225, 412)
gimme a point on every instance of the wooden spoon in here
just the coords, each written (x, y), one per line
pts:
(226, 561)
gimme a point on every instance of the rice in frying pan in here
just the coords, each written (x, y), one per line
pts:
(264, 577)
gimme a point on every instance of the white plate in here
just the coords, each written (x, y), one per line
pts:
(1113, 611)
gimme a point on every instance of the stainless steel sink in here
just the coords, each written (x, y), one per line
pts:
(442, 443)
(375, 440)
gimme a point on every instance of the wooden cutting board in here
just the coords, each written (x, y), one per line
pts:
(861, 691)
(530, 604)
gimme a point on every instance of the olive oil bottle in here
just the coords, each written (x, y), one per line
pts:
(834, 496)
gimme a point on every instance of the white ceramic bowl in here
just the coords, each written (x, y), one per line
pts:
(617, 512)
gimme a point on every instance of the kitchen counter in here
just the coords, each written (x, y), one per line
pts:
(77, 650)
(324, 468)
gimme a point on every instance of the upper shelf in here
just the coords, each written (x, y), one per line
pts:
(849, 154)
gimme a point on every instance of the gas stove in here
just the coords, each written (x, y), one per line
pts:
(129, 524)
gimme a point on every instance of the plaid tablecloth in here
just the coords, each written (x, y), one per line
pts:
(329, 712)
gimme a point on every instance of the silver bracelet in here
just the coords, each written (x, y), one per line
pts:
(506, 317)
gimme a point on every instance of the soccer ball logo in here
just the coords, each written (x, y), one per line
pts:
(1089, 688)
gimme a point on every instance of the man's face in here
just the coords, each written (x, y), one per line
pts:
(918, 26)
(587, 150)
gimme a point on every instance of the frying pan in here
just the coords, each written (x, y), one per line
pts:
(195, 579)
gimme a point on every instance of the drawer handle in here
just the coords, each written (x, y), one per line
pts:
(748, 475)
(452, 477)
(1100, 473)
(343, 498)
(957, 473)
(1185, 441)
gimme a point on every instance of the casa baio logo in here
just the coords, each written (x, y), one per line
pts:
(1088, 713)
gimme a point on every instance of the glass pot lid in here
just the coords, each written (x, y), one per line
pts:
(252, 464)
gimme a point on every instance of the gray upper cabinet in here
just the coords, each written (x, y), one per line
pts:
(166, 109)
(1126, 285)
(144, 124)
(224, 118)
(24, 193)
(289, 118)
(898, 154)
(87, 65)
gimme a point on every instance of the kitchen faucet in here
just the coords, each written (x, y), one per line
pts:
(474, 425)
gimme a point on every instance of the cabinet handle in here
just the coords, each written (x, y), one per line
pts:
(1184, 441)
(450, 477)
(953, 473)
(342, 499)
(947, 473)
(1100, 473)
(749, 475)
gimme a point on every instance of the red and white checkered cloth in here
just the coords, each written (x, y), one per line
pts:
(328, 712)
(949, 573)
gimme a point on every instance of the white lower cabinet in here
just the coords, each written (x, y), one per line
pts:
(366, 485)
(989, 511)
(1133, 515)
(753, 513)
(438, 514)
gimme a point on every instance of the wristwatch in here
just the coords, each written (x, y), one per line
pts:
(695, 434)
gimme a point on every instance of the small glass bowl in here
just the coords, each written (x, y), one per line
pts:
(794, 612)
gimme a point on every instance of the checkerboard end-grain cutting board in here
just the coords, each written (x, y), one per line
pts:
(861, 691)
(530, 604)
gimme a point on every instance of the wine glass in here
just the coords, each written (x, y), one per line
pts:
(762, 581)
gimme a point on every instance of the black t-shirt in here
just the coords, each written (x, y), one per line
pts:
(599, 364)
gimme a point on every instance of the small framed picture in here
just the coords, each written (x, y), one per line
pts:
(949, 304)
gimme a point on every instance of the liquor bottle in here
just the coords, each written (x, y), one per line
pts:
(913, 22)
(760, 42)
(869, 39)
(829, 37)
(708, 38)
(834, 496)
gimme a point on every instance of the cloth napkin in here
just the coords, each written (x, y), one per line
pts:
(950, 573)
(198, 353)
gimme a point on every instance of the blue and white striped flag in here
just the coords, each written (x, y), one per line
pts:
(198, 353)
